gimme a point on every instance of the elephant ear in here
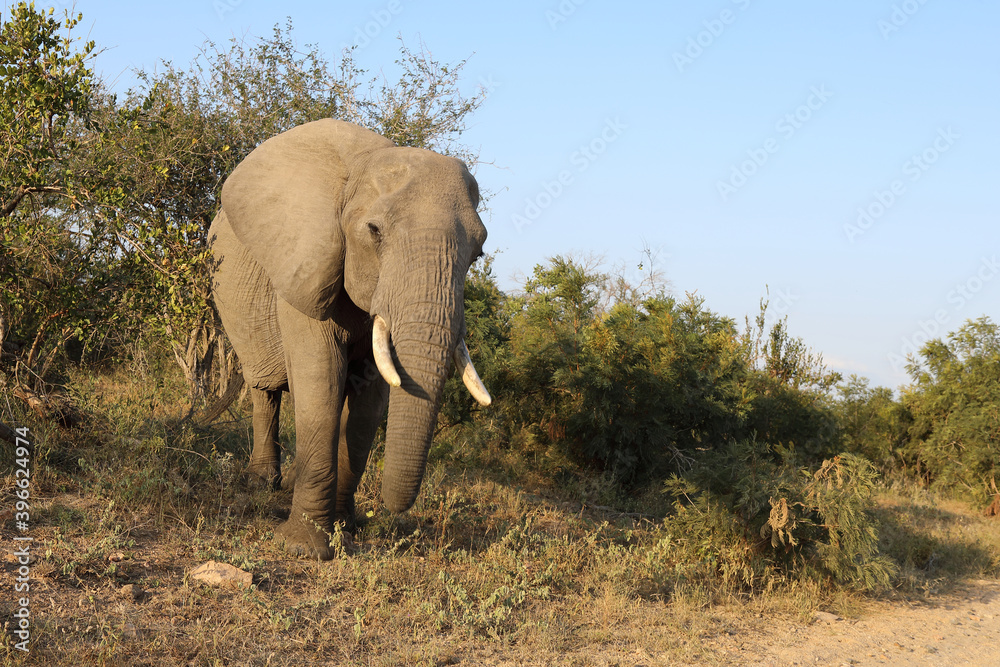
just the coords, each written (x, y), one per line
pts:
(284, 202)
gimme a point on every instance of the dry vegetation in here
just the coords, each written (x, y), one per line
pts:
(488, 568)
(651, 486)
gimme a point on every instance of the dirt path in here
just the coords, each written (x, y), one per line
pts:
(961, 629)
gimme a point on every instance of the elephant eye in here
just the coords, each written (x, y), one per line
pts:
(375, 231)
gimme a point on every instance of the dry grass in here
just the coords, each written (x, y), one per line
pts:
(478, 572)
(936, 540)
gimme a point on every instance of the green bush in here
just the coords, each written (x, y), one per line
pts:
(487, 335)
(748, 517)
(591, 376)
(955, 405)
(872, 422)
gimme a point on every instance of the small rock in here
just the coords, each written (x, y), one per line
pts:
(826, 617)
(221, 574)
(132, 592)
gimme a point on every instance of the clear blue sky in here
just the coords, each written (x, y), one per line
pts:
(737, 138)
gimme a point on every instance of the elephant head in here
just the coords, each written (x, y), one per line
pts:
(334, 212)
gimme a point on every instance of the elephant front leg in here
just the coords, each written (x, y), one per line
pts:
(364, 407)
(316, 371)
(265, 460)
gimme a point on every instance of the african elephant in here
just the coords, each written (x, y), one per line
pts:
(339, 271)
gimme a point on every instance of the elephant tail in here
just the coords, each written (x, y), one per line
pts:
(233, 389)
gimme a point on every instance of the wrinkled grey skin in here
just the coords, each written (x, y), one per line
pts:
(322, 228)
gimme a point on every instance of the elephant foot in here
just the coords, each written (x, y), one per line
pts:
(263, 476)
(302, 538)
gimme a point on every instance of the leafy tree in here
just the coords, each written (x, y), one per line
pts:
(634, 387)
(45, 88)
(487, 335)
(955, 403)
(791, 389)
(60, 270)
(549, 325)
(559, 304)
(872, 422)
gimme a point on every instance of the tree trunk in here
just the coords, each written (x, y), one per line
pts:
(195, 357)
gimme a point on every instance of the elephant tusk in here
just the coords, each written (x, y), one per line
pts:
(383, 357)
(469, 375)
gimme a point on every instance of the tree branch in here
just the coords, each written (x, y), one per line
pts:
(12, 204)
(22, 192)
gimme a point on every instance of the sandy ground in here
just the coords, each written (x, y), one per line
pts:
(945, 631)
(960, 629)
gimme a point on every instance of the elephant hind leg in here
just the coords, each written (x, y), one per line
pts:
(265, 459)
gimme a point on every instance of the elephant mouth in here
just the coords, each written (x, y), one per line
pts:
(463, 363)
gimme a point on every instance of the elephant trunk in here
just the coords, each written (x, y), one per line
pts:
(426, 320)
(413, 410)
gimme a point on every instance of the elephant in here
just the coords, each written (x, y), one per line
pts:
(338, 271)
